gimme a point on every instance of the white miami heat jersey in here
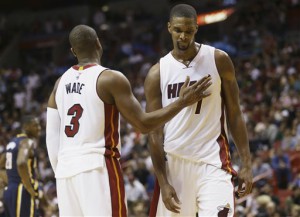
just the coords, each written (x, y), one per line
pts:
(89, 127)
(198, 133)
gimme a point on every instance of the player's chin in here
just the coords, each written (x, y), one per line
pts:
(182, 47)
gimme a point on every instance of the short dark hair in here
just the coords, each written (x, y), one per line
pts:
(27, 119)
(183, 10)
(83, 38)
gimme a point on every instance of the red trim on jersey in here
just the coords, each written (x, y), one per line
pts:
(76, 67)
(111, 131)
(224, 146)
(116, 182)
(154, 201)
(117, 190)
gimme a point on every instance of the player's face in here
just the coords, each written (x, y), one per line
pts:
(34, 129)
(182, 30)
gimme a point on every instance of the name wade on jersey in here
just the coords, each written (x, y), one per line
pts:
(76, 87)
(174, 89)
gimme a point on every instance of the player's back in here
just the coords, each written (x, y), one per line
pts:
(11, 166)
(89, 127)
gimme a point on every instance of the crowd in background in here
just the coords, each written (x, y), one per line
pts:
(262, 41)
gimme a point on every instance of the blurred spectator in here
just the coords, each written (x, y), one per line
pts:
(282, 168)
(293, 200)
(135, 192)
(261, 168)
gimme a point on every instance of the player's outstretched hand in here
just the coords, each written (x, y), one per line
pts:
(195, 92)
(170, 198)
(245, 180)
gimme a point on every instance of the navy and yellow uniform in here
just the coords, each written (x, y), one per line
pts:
(17, 201)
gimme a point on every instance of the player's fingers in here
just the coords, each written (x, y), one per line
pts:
(202, 90)
(248, 188)
(176, 199)
(186, 82)
(240, 186)
(206, 84)
(203, 86)
(172, 206)
(202, 81)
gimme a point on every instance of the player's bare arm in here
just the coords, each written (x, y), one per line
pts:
(25, 152)
(2, 160)
(114, 88)
(3, 175)
(53, 128)
(153, 98)
(51, 101)
(235, 119)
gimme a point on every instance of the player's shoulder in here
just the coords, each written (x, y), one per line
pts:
(110, 74)
(154, 70)
(112, 78)
(153, 76)
(220, 54)
(26, 143)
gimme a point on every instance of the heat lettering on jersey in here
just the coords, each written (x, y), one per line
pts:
(174, 89)
(76, 87)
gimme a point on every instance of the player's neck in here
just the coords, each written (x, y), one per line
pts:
(186, 55)
(88, 61)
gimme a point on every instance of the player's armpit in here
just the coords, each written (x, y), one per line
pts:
(51, 100)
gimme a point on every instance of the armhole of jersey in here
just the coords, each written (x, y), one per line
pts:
(98, 77)
(55, 94)
(160, 76)
(213, 52)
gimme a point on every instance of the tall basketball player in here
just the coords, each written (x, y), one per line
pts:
(191, 153)
(83, 128)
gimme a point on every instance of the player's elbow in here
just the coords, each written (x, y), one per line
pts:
(21, 167)
(21, 164)
(144, 125)
(143, 128)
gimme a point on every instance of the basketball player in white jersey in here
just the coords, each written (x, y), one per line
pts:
(191, 152)
(83, 129)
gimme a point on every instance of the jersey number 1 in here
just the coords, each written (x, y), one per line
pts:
(76, 111)
(198, 107)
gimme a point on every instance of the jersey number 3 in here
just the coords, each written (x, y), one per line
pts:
(72, 129)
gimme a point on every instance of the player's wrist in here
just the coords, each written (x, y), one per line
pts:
(246, 164)
(180, 103)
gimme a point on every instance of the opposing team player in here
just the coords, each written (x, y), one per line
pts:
(21, 169)
(197, 174)
(83, 129)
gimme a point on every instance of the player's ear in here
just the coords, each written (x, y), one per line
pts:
(196, 28)
(99, 46)
(169, 27)
(98, 43)
(73, 52)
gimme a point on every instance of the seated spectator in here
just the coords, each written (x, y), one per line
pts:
(292, 200)
(135, 191)
(262, 168)
(282, 168)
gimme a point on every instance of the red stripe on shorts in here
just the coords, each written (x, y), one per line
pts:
(117, 190)
(154, 201)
